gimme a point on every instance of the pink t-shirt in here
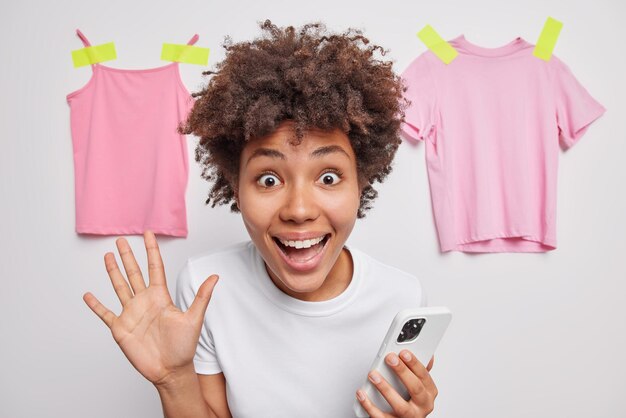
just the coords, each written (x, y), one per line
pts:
(130, 164)
(491, 121)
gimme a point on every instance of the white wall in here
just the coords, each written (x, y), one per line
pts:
(534, 335)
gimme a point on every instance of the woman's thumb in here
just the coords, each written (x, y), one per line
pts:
(201, 301)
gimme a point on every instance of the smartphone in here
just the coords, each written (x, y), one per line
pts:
(418, 330)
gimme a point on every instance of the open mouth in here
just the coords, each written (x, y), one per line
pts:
(302, 254)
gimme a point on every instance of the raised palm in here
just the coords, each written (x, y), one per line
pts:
(156, 337)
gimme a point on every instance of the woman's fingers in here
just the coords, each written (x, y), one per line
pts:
(414, 377)
(156, 271)
(400, 406)
(135, 278)
(99, 309)
(120, 285)
(130, 265)
(413, 384)
(420, 371)
(372, 410)
(430, 363)
(201, 301)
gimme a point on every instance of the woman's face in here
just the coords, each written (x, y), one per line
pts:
(299, 204)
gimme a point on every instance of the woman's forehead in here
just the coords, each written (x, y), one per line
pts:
(283, 140)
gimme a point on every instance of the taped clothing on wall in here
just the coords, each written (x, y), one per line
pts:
(491, 121)
(130, 163)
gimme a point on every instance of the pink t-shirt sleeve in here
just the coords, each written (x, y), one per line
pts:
(576, 109)
(420, 115)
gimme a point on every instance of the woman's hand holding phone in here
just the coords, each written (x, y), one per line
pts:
(417, 380)
(398, 384)
(157, 338)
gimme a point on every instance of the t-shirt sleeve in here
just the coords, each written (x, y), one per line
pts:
(205, 359)
(421, 92)
(576, 109)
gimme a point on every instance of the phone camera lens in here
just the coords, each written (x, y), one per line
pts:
(410, 330)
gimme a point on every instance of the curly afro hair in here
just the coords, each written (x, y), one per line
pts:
(316, 79)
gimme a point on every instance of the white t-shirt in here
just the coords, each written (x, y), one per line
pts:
(284, 357)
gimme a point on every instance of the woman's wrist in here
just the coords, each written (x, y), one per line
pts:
(177, 380)
(181, 395)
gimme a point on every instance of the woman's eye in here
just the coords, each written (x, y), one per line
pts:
(268, 180)
(330, 178)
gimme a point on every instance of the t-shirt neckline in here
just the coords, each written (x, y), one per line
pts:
(302, 307)
(462, 44)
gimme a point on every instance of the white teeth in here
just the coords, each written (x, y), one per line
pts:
(303, 244)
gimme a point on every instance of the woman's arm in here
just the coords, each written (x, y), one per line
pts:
(213, 387)
(181, 396)
(194, 395)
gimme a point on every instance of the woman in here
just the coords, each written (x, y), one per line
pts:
(295, 128)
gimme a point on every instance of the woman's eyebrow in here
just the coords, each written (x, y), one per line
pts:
(267, 152)
(321, 151)
(328, 149)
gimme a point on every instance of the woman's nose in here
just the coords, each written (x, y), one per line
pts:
(299, 204)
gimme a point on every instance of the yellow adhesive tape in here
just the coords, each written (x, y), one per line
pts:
(547, 39)
(185, 53)
(437, 44)
(93, 54)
